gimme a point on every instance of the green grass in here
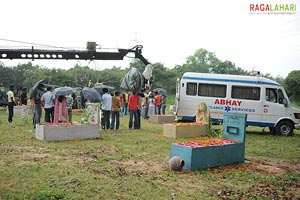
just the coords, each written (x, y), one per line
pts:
(133, 164)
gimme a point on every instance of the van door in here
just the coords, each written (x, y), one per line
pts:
(273, 106)
(177, 97)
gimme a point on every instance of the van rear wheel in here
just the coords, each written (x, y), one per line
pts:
(284, 128)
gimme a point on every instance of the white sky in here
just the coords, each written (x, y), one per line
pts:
(169, 30)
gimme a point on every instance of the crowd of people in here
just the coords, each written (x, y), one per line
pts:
(136, 105)
(58, 109)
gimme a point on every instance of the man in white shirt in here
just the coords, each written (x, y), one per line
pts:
(48, 101)
(106, 108)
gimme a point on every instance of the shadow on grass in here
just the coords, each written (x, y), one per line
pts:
(265, 132)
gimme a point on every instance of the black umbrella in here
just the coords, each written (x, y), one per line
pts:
(36, 85)
(100, 88)
(91, 94)
(161, 91)
(63, 91)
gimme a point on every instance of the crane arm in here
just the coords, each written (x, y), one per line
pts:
(71, 54)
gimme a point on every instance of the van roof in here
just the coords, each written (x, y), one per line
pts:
(229, 78)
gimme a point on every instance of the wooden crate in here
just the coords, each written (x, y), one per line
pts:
(185, 130)
(234, 127)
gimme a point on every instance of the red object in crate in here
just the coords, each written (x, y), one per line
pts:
(208, 143)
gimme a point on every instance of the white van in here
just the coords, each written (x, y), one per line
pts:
(264, 101)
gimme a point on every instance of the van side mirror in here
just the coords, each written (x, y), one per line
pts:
(285, 102)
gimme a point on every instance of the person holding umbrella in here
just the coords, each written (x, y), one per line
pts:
(60, 110)
(37, 95)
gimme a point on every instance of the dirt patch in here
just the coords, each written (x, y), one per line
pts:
(138, 165)
(108, 149)
(273, 167)
(263, 167)
(45, 157)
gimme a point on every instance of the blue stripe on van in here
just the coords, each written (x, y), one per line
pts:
(229, 80)
(249, 123)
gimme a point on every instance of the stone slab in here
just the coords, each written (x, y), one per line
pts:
(161, 119)
(66, 132)
(18, 110)
(185, 130)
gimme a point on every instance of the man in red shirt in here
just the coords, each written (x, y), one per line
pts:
(133, 104)
(157, 103)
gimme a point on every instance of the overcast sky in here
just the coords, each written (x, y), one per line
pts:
(169, 30)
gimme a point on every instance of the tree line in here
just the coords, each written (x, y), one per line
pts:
(202, 61)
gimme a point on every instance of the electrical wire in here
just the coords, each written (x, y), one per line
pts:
(37, 44)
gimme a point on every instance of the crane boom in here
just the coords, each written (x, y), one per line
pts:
(71, 54)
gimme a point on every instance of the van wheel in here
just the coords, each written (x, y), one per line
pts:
(284, 128)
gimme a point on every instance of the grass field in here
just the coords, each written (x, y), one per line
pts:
(133, 164)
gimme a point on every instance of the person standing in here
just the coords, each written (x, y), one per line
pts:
(133, 104)
(37, 95)
(157, 103)
(70, 102)
(163, 104)
(115, 111)
(106, 108)
(60, 110)
(146, 104)
(23, 97)
(125, 100)
(48, 101)
(151, 109)
(11, 103)
(122, 103)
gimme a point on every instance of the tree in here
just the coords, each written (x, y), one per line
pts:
(292, 83)
(202, 61)
(228, 67)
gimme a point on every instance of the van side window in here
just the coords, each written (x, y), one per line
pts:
(280, 96)
(212, 90)
(271, 95)
(191, 89)
(244, 92)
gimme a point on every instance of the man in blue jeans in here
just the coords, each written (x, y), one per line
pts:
(115, 111)
(133, 106)
(37, 95)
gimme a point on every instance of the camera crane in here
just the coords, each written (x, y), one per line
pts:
(89, 54)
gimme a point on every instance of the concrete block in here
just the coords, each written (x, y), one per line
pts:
(66, 132)
(207, 157)
(195, 158)
(185, 130)
(161, 119)
(18, 110)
